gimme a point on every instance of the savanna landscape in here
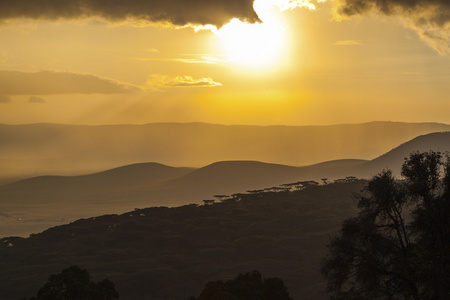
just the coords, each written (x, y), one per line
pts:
(224, 150)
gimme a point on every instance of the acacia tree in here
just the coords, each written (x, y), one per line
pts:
(398, 245)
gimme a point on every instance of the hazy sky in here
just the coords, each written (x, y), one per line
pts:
(294, 62)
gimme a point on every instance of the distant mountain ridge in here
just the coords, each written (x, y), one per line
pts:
(437, 141)
(135, 174)
(42, 149)
(154, 184)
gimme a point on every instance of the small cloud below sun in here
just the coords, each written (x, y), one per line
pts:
(191, 59)
(167, 81)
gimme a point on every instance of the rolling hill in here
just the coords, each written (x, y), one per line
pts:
(43, 149)
(438, 141)
(45, 201)
(34, 204)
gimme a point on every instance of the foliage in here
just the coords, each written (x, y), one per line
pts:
(398, 246)
(169, 253)
(247, 286)
(74, 283)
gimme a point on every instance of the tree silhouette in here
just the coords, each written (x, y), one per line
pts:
(247, 286)
(398, 246)
(74, 283)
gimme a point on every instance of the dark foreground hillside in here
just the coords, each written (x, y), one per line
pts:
(171, 253)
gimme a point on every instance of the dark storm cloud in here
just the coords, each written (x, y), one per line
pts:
(436, 12)
(178, 12)
(430, 18)
(49, 82)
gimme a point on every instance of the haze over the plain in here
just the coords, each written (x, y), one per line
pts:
(35, 204)
(52, 149)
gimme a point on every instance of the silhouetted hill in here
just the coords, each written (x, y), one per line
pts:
(438, 141)
(130, 176)
(35, 204)
(105, 187)
(235, 176)
(171, 253)
(42, 149)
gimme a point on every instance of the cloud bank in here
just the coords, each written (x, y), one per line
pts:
(177, 12)
(180, 81)
(430, 18)
(50, 83)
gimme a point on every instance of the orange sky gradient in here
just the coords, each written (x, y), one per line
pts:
(307, 63)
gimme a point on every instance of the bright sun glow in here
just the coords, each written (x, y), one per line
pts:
(255, 45)
(259, 45)
(252, 44)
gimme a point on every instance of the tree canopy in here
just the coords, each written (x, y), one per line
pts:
(282, 233)
(247, 286)
(74, 283)
(398, 246)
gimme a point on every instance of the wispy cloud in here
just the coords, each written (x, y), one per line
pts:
(50, 82)
(180, 81)
(35, 99)
(193, 59)
(347, 43)
(291, 4)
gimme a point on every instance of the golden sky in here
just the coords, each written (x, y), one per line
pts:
(293, 62)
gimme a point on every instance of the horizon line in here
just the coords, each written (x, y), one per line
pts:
(221, 124)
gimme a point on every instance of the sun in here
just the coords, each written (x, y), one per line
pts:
(253, 45)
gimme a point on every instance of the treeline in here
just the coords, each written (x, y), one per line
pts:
(286, 187)
(163, 253)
